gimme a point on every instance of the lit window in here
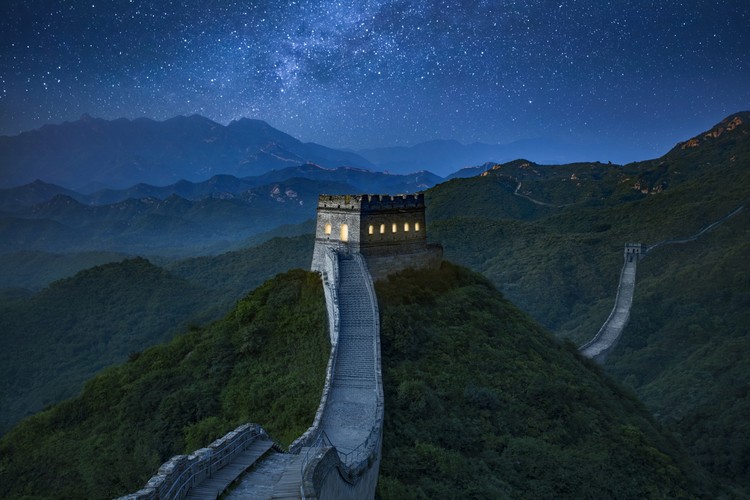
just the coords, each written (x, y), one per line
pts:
(328, 229)
(371, 229)
(344, 232)
(416, 226)
(382, 229)
(406, 227)
(394, 228)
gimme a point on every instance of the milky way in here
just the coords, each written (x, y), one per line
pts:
(636, 73)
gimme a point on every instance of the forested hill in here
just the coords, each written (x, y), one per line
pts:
(685, 350)
(480, 402)
(51, 342)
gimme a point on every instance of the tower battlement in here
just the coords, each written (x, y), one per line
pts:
(371, 202)
(388, 230)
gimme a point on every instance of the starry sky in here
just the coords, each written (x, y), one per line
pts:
(634, 76)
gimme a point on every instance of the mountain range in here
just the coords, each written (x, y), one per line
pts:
(183, 218)
(92, 153)
(550, 239)
(446, 157)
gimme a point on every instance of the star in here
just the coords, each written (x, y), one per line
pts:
(635, 74)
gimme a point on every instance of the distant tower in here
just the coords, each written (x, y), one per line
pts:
(389, 231)
(635, 251)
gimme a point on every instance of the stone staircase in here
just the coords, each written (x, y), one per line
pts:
(355, 359)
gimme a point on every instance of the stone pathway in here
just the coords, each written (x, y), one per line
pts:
(278, 475)
(598, 348)
(352, 402)
(211, 488)
(351, 408)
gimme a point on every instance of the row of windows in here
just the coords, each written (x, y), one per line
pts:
(394, 228)
(371, 229)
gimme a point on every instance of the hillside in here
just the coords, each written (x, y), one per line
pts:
(687, 354)
(683, 351)
(35, 270)
(264, 362)
(483, 403)
(54, 341)
(479, 400)
(113, 310)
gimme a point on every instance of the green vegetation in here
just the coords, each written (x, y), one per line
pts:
(687, 354)
(264, 362)
(35, 270)
(52, 342)
(482, 403)
(685, 350)
(234, 274)
(509, 412)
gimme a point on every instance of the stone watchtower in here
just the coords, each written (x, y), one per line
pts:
(389, 231)
(635, 251)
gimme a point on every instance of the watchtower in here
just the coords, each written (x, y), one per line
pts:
(389, 231)
(635, 251)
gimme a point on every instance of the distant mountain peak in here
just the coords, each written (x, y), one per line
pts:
(74, 154)
(729, 125)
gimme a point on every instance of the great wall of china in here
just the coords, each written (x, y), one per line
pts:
(606, 338)
(338, 457)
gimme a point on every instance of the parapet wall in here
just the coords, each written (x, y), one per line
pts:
(181, 472)
(329, 274)
(331, 474)
(328, 478)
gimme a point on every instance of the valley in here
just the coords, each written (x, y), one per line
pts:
(548, 238)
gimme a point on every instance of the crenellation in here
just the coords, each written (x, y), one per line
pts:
(388, 230)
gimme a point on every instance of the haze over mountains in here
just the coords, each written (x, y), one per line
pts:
(91, 154)
(549, 237)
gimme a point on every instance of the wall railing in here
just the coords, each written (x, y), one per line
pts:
(182, 472)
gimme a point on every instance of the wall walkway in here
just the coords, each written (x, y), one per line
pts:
(606, 338)
(339, 455)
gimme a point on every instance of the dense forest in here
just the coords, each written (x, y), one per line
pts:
(685, 350)
(507, 402)
(264, 362)
(52, 341)
(550, 238)
(483, 403)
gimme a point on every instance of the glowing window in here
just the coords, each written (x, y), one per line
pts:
(406, 227)
(382, 229)
(371, 229)
(416, 226)
(328, 229)
(344, 232)
(394, 228)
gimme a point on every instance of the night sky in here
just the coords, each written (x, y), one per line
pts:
(636, 75)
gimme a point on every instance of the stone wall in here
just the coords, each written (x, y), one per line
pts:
(181, 472)
(352, 475)
(328, 478)
(383, 265)
(390, 231)
(329, 274)
(606, 338)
